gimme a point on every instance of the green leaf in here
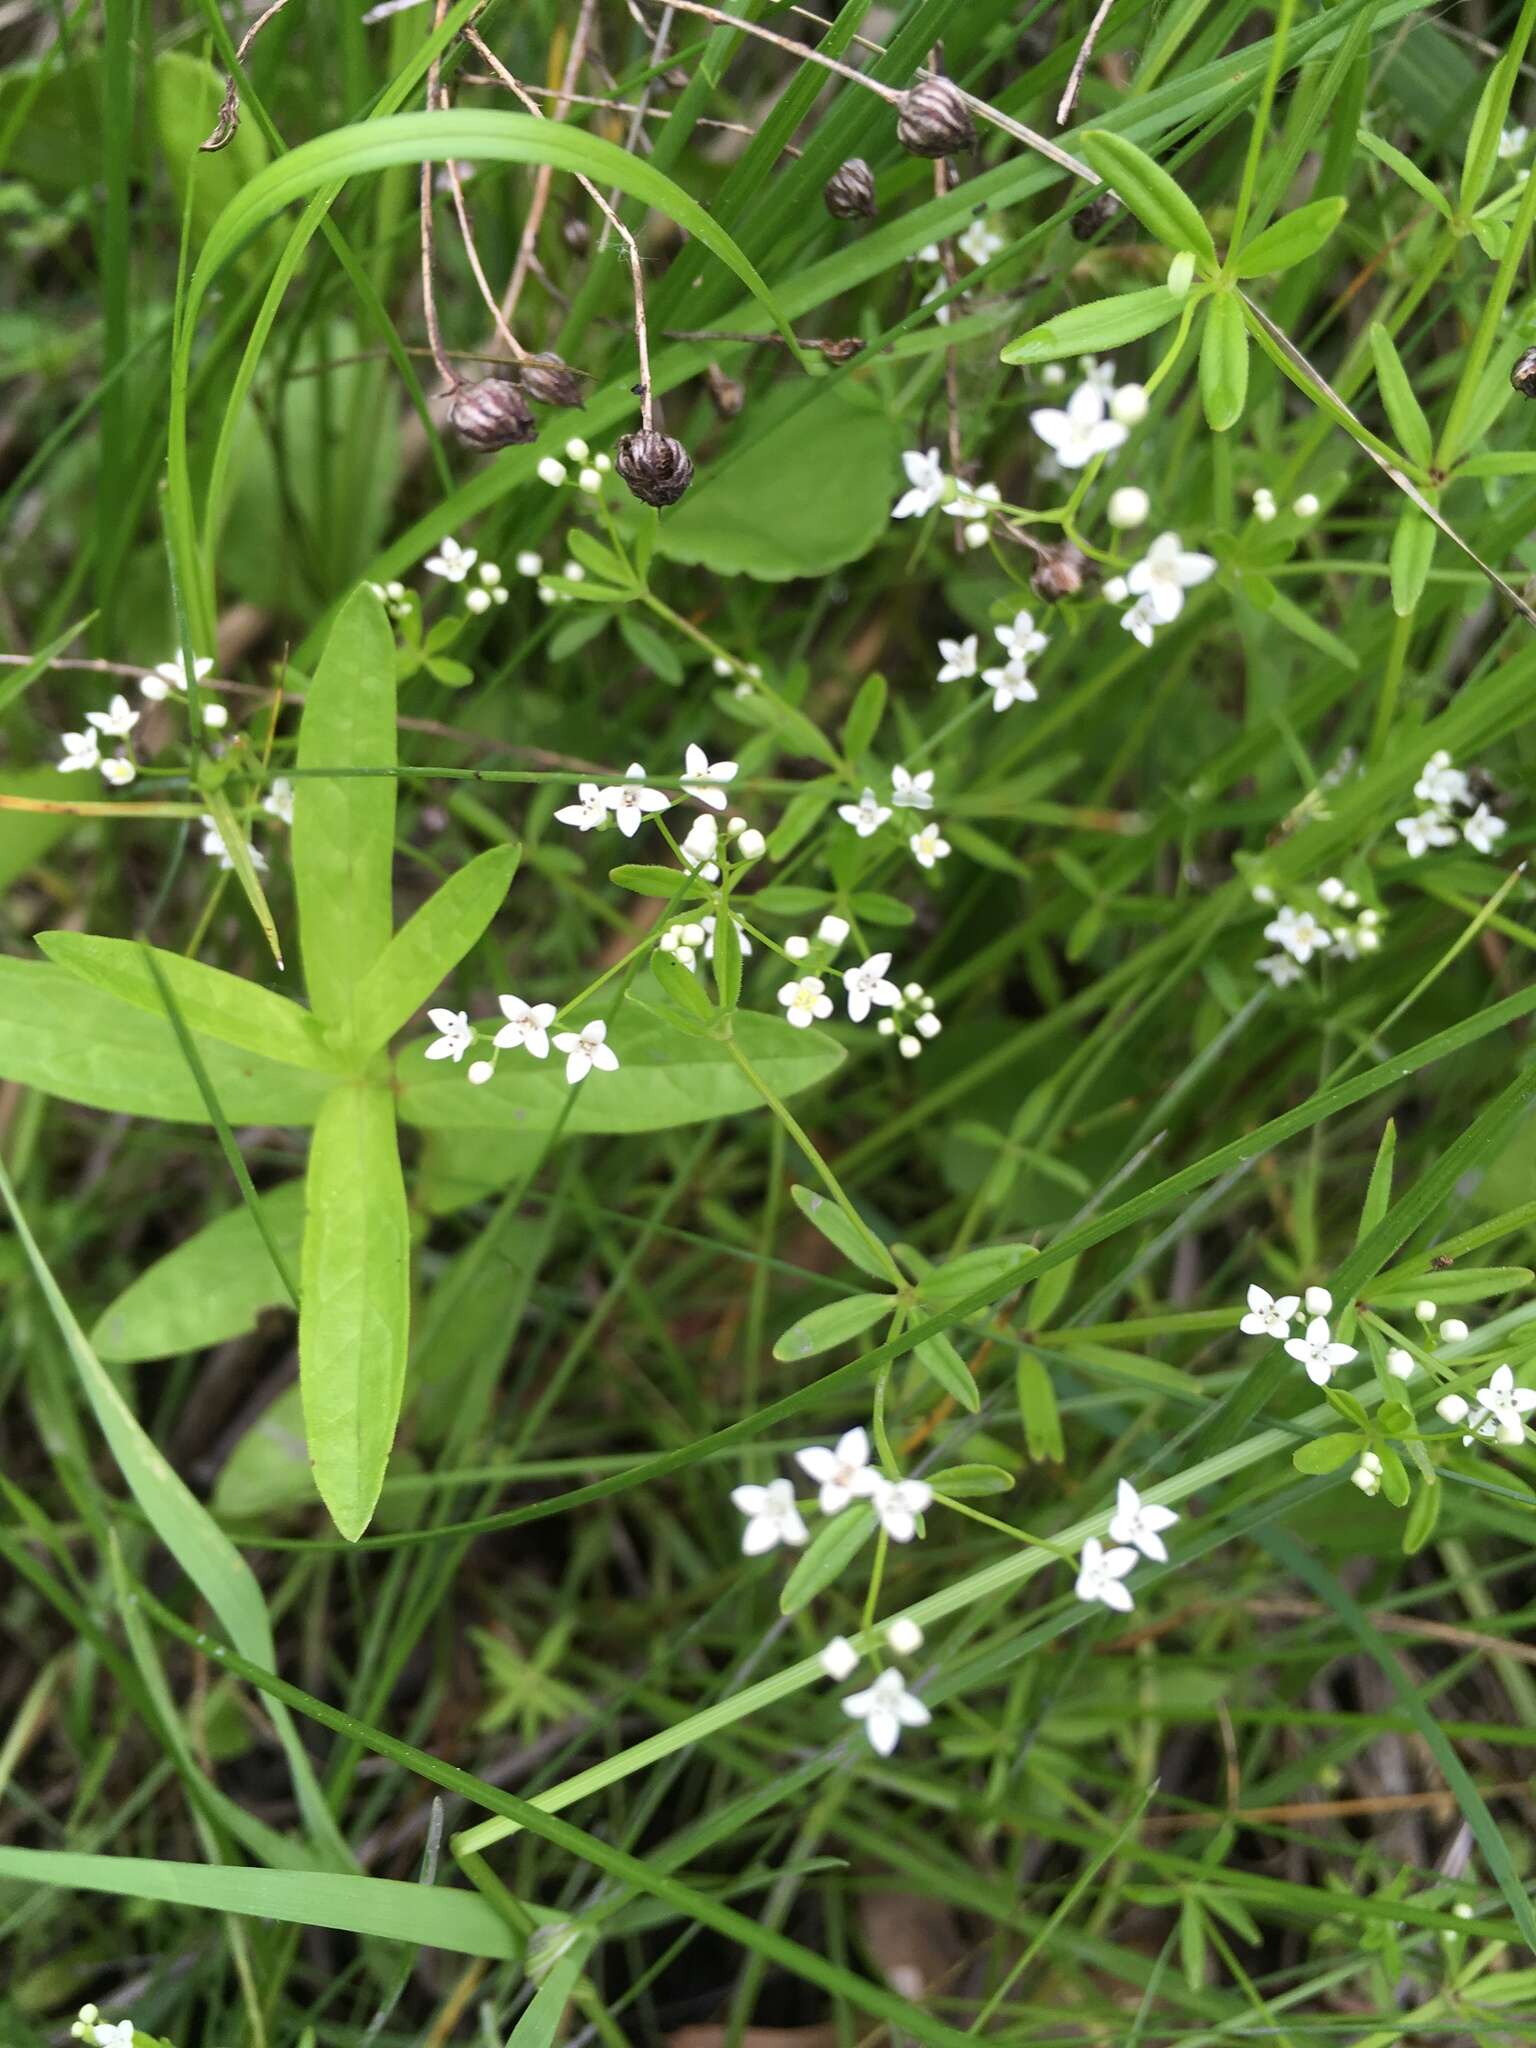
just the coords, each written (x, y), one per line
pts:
(598, 559)
(354, 1300)
(656, 881)
(681, 986)
(982, 1267)
(540, 2021)
(824, 1215)
(864, 716)
(1406, 169)
(1482, 153)
(268, 1471)
(344, 825)
(971, 1482)
(213, 1003)
(1158, 201)
(827, 1556)
(1397, 395)
(1037, 1408)
(185, 101)
(1291, 239)
(665, 1079)
(426, 949)
(649, 648)
(1394, 1476)
(1327, 1453)
(238, 848)
(948, 1371)
(839, 1322)
(1423, 1516)
(1413, 551)
(1378, 1193)
(1224, 362)
(1102, 324)
(112, 1055)
(800, 817)
(1345, 1404)
(209, 1289)
(805, 488)
(1450, 1284)
(727, 959)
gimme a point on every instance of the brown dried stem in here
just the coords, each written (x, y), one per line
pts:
(544, 177)
(445, 368)
(1080, 62)
(228, 119)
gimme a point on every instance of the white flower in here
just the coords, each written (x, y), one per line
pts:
(912, 792)
(528, 1025)
(838, 1659)
(584, 1050)
(1317, 1351)
(981, 242)
(927, 481)
(1129, 404)
(772, 1517)
(215, 849)
(1081, 432)
(1484, 829)
(866, 816)
(1268, 1316)
(682, 941)
(961, 659)
(1429, 828)
(81, 750)
(451, 562)
(1508, 1405)
(457, 1036)
(118, 772)
(696, 766)
(885, 1709)
(928, 846)
(1009, 685)
(1128, 507)
(1100, 375)
(1140, 1522)
(114, 2034)
(551, 471)
(805, 1001)
(589, 814)
(1019, 639)
(1512, 141)
(1139, 621)
(278, 801)
(700, 844)
(172, 675)
(1100, 1572)
(841, 1472)
(1264, 506)
(898, 1503)
(631, 801)
(1442, 784)
(833, 930)
(117, 721)
(1164, 573)
(1367, 1477)
(904, 1636)
(1299, 932)
(867, 985)
(1281, 969)
(943, 314)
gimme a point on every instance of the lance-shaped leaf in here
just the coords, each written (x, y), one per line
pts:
(1224, 362)
(1158, 201)
(1102, 324)
(837, 1323)
(425, 951)
(1291, 239)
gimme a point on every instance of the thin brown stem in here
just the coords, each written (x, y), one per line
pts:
(467, 235)
(1080, 63)
(445, 368)
(543, 179)
(951, 271)
(592, 99)
(228, 119)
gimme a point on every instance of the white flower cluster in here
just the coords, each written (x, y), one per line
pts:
(628, 804)
(866, 987)
(1157, 584)
(1316, 1350)
(909, 792)
(590, 469)
(1499, 1416)
(91, 2028)
(1443, 789)
(929, 485)
(83, 749)
(1009, 680)
(1300, 932)
(1135, 1531)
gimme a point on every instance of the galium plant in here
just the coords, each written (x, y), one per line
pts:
(763, 1022)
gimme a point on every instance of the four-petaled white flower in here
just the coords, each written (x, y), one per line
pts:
(1299, 932)
(631, 801)
(928, 846)
(451, 562)
(1281, 969)
(81, 750)
(1075, 436)
(1269, 1316)
(1140, 1522)
(1512, 141)
(278, 801)
(1100, 1573)
(805, 1001)
(926, 480)
(885, 1708)
(981, 242)
(117, 721)
(172, 675)
(1164, 573)
(119, 771)
(772, 1517)
(586, 1049)
(841, 1471)
(1140, 621)
(912, 792)
(1441, 783)
(696, 766)
(898, 1503)
(1318, 1352)
(528, 1025)
(456, 1039)
(867, 985)
(1429, 828)
(961, 659)
(866, 816)
(1508, 1404)
(1020, 638)
(589, 813)
(1484, 829)
(1009, 685)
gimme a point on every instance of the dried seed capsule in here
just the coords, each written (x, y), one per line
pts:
(551, 382)
(1088, 219)
(841, 351)
(1059, 572)
(490, 415)
(933, 119)
(849, 194)
(655, 467)
(726, 394)
(575, 234)
(1523, 375)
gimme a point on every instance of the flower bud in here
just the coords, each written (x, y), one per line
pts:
(490, 415)
(1128, 507)
(1523, 375)
(1088, 219)
(934, 120)
(1451, 1408)
(849, 194)
(548, 381)
(1453, 1329)
(655, 467)
(1059, 572)
(726, 394)
(575, 234)
(1128, 404)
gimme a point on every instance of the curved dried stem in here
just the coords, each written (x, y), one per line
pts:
(228, 119)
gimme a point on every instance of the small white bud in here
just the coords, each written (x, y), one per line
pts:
(735, 827)
(1054, 375)
(797, 947)
(480, 1072)
(1264, 507)
(602, 463)
(1451, 1408)
(927, 1024)
(573, 572)
(590, 480)
(1181, 274)
(577, 449)
(904, 1637)
(1306, 506)
(1453, 1329)
(1115, 589)
(1262, 893)
(1371, 1462)
(838, 1659)
(1129, 404)
(751, 845)
(886, 1026)
(1366, 1480)
(215, 716)
(551, 471)
(912, 991)
(529, 563)
(394, 592)
(909, 1047)
(1399, 1364)
(833, 929)
(478, 600)
(1462, 1911)
(721, 666)
(1130, 505)
(1426, 1311)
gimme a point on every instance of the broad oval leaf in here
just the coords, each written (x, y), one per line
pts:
(1224, 362)
(1158, 201)
(838, 1322)
(427, 948)
(1327, 1453)
(827, 1556)
(209, 1289)
(1102, 324)
(1291, 239)
(824, 1215)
